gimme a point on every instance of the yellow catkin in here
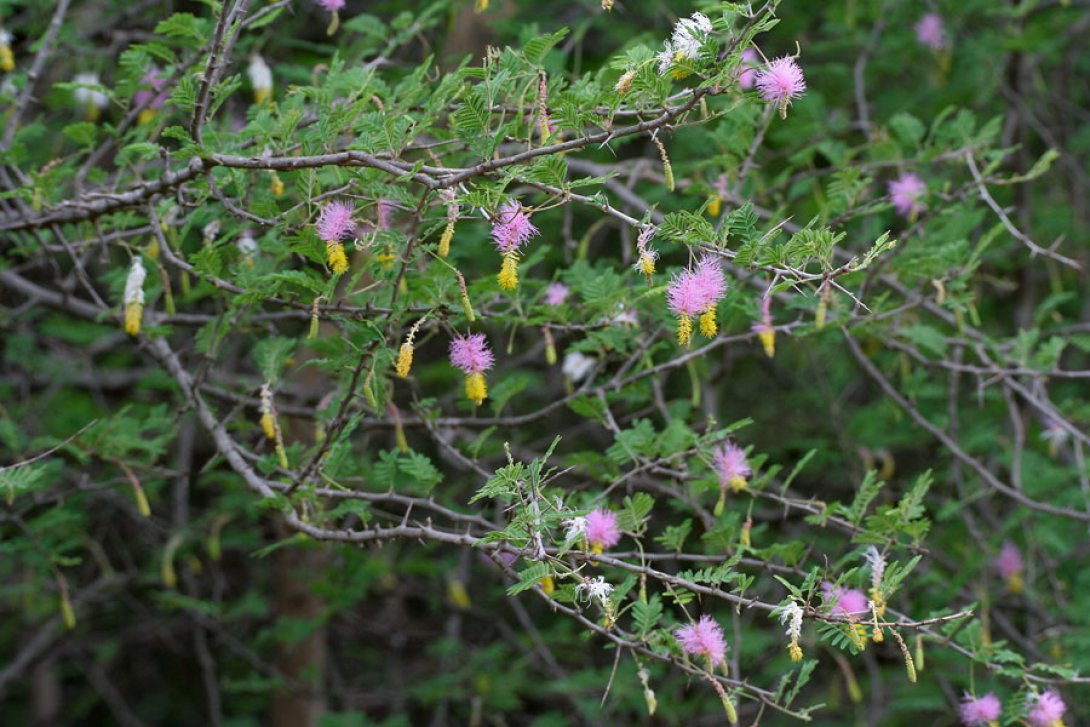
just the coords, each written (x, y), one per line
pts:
(768, 340)
(547, 585)
(146, 117)
(795, 651)
(509, 272)
(647, 265)
(667, 168)
(715, 205)
(481, 6)
(338, 261)
(7, 59)
(737, 483)
(745, 539)
(708, 325)
(404, 360)
(684, 330)
(261, 95)
(1016, 584)
(476, 389)
(134, 313)
(456, 590)
(276, 183)
(444, 240)
(152, 250)
(268, 425)
(624, 84)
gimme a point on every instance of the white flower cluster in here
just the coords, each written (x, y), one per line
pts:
(685, 43)
(877, 563)
(792, 616)
(595, 588)
(89, 97)
(134, 285)
(575, 526)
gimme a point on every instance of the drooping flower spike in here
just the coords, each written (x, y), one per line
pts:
(602, 530)
(780, 82)
(261, 79)
(764, 328)
(334, 225)
(334, 7)
(1046, 710)
(472, 355)
(980, 711)
(1009, 564)
(791, 616)
(696, 292)
(703, 638)
(450, 198)
(646, 255)
(510, 231)
(134, 297)
(7, 57)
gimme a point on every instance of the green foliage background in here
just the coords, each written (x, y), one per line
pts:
(912, 420)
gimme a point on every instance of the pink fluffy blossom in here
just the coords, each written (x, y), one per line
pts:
(747, 76)
(730, 462)
(152, 92)
(1009, 563)
(471, 353)
(512, 227)
(930, 31)
(704, 638)
(331, 5)
(842, 601)
(556, 294)
(694, 291)
(1045, 710)
(780, 82)
(602, 529)
(906, 193)
(335, 221)
(979, 711)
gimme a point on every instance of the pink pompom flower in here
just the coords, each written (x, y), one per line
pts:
(696, 292)
(780, 82)
(332, 6)
(980, 711)
(335, 221)
(704, 638)
(849, 602)
(510, 231)
(1046, 710)
(907, 192)
(556, 294)
(747, 76)
(602, 530)
(930, 31)
(472, 355)
(731, 465)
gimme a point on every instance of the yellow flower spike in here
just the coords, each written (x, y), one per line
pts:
(647, 266)
(458, 595)
(404, 360)
(547, 585)
(795, 651)
(708, 325)
(338, 261)
(444, 240)
(481, 6)
(146, 117)
(744, 538)
(684, 331)
(7, 59)
(276, 183)
(476, 389)
(768, 340)
(268, 424)
(715, 205)
(1016, 584)
(134, 313)
(509, 272)
(597, 548)
(737, 483)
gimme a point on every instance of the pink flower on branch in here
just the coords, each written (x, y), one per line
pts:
(696, 292)
(472, 355)
(907, 192)
(1046, 710)
(980, 711)
(780, 82)
(602, 530)
(930, 31)
(556, 294)
(704, 638)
